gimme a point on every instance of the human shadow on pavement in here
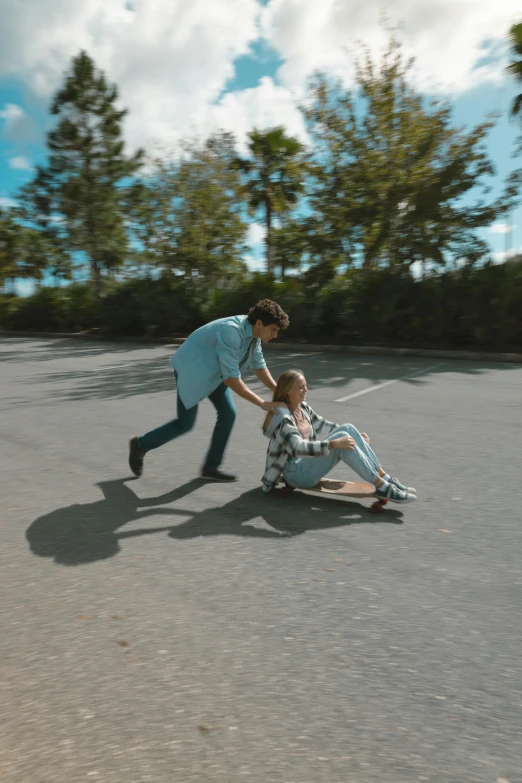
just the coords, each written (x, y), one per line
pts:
(85, 533)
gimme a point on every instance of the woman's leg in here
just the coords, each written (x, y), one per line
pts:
(349, 429)
(306, 472)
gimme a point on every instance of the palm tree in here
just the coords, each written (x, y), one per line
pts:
(288, 245)
(273, 178)
(515, 67)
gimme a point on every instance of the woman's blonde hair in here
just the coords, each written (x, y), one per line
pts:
(282, 389)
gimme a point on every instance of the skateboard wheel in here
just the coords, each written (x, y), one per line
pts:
(376, 507)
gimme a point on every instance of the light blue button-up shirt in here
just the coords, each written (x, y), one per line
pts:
(214, 353)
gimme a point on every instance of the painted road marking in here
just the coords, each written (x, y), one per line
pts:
(111, 367)
(388, 383)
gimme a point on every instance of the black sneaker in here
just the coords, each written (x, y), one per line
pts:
(217, 475)
(136, 456)
(394, 494)
(398, 484)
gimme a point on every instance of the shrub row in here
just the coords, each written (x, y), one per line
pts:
(469, 308)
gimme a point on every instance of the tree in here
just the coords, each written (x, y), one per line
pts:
(9, 248)
(515, 67)
(390, 172)
(43, 235)
(289, 245)
(273, 178)
(187, 214)
(41, 255)
(85, 179)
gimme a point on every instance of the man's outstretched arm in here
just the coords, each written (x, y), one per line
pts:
(241, 389)
(265, 377)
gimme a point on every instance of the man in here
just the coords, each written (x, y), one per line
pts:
(209, 364)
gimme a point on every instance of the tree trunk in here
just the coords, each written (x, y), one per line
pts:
(95, 276)
(269, 248)
(94, 259)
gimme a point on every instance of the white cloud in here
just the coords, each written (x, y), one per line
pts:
(17, 127)
(14, 118)
(453, 40)
(20, 163)
(263, 106)
(255, 259)
(11, 112)
(254, 264)
(501, 255)
(7, 203)
(501, 228)
(256, 234)
(24, 287)
(416, 270)
(172, 59)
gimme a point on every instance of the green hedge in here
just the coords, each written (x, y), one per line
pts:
(67, 309)
(470, 308)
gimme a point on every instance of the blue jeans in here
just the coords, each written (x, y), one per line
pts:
(223, 402)
(306, 472)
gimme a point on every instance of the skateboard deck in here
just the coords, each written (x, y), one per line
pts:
(353, 489)
(350, 489)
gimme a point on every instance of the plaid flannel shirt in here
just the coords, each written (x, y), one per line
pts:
(287, 442)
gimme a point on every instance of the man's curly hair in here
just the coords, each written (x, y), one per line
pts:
(269, 313)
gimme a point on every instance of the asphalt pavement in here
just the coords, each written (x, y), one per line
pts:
(168, 630)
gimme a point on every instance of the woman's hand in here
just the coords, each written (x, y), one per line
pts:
(346, 442)
(365, 436)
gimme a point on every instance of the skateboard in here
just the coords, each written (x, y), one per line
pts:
(348, 489)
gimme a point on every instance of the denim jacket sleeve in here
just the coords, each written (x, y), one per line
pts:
(228, 348)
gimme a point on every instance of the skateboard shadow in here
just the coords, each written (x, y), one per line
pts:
(85, 533)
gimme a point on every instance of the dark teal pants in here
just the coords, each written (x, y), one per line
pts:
(223, 401)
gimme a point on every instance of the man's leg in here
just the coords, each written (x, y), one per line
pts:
(161, 435)
(223, 402)
(173, 429)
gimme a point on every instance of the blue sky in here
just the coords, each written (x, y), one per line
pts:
(186, 66)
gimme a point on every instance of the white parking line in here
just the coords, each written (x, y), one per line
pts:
(111, 367)
(388, 383)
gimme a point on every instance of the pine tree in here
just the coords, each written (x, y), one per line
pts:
(43, 242)
(9, 248)
(515, 66)
(88, 171)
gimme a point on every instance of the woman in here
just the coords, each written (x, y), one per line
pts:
(297, 432)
